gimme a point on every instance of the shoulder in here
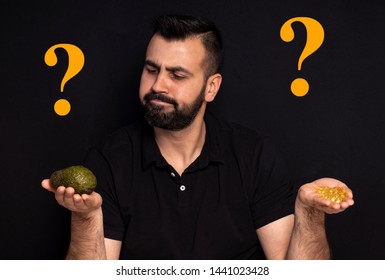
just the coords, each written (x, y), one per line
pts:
(122, 138)
(244, 143)
(238, 134)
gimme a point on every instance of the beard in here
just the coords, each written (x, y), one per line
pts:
(179, 118)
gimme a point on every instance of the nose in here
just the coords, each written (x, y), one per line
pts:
(160, 84)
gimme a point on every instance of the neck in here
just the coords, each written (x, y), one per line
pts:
(180, 148)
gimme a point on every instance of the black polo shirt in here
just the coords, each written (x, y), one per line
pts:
(238, 184)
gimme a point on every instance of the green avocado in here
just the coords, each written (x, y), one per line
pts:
(79, 177)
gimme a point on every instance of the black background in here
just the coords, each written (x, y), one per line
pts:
(336, 130)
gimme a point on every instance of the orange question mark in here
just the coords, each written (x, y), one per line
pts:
(75, 63)
(315, 37)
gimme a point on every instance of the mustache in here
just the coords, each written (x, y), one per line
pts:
(157, 96)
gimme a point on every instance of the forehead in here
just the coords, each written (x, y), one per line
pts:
(188, 53)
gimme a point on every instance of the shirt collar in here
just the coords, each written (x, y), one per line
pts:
(214, 144)
(150, 150)
(212, 151)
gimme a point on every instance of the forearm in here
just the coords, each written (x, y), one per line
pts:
(308, 240)
(87, 237)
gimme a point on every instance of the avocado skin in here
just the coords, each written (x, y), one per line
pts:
(78, 177)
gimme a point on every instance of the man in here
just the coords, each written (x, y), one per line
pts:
(186, 185)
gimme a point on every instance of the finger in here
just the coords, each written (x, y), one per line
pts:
(350, 201)
(347, 203)
(349, 193)
(46, 184)
(86, 198)
(77, 199)
(93, 200)
(74, 201)
(68, 198)
(59, 195)
(337, 206)
(342, 206)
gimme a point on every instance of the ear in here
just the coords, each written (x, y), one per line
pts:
(212, 86)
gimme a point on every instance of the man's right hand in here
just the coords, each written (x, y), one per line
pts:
(83, 205)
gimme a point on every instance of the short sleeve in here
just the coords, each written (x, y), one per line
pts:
(273, 196)
(114, 225)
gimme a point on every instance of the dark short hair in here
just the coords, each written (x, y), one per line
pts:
(181, 27)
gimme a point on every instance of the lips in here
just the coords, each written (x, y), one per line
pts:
(159, 97)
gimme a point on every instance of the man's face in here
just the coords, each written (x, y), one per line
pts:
(173, 84)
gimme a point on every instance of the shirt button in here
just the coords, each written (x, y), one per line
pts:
(172, 174)
(182, 188)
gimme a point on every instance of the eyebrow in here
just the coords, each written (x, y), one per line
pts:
(168, 68)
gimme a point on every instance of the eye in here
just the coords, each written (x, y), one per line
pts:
(151, 70)
(177, 76)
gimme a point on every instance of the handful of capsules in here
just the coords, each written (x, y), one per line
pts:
(336, 194)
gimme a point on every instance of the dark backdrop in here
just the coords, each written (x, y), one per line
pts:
(336, 130)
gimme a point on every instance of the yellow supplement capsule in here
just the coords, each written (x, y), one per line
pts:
(336, 194)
